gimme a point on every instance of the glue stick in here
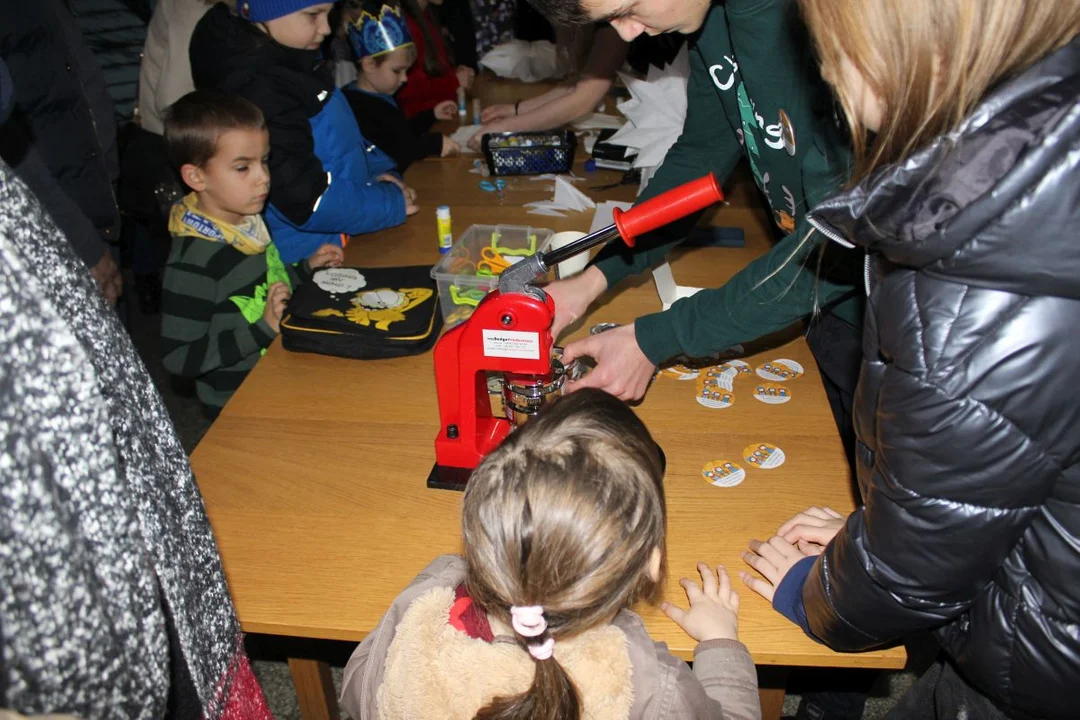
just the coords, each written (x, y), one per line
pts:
(461, 109)
(476, 110)
(446, 235)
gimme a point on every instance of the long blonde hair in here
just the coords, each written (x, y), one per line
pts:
(565, 514)
(929, 61)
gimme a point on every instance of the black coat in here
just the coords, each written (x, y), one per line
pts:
(968, 409)
(405, 140)
(61, 136)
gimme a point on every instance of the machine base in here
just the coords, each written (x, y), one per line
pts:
(446, 477)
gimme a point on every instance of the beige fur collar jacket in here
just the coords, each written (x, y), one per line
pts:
(416, 665)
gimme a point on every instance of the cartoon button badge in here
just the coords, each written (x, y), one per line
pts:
(739, 366)
(723, 473)
(780, 370)
(772, 393)
(680, 372)
(712, 395)
(787, 133)
(764, 456)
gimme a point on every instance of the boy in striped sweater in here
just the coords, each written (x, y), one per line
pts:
(225, 285)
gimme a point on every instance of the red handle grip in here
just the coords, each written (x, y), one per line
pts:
(667, 207)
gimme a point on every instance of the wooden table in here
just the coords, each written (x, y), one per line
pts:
(314, 474)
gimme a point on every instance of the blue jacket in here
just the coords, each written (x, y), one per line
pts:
(322, 170)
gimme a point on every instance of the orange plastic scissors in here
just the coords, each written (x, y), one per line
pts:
(491, 262)
(460, 264)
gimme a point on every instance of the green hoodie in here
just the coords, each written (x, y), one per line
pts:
(751, 60)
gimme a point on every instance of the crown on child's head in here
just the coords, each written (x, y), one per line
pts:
(371, 36)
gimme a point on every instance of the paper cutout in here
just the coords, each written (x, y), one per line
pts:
(655, 113)
(528, 62)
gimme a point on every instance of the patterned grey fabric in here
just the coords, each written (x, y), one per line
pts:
(101, 525)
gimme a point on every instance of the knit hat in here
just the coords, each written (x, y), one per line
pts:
(263, 10)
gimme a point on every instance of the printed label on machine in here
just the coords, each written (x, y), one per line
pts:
(512, 344)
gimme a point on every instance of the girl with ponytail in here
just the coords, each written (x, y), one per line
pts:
(563, 528)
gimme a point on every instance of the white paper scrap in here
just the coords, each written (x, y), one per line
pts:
(463, 135)
(666, 287)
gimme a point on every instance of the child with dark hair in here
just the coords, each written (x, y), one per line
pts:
(384, 51)
(330, 181)
(563, 528)
(433, 79)
(225, 285)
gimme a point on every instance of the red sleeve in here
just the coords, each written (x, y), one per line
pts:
(422, 91)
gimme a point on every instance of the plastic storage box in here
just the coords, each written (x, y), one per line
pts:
(471, 269)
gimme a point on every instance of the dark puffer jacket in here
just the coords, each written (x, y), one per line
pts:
(968, 409)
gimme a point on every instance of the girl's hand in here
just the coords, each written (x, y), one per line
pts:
(327, 256)
(446, 110)
(474, 141)
(277, 297)
(465, 76)
(496, 112)
(812, 529)
(449, 146)
(714, 607)
(773, 559)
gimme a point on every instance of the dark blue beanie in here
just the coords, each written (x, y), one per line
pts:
(263, 10)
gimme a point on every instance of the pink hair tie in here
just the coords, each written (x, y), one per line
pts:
(528, 620)
(542, 651)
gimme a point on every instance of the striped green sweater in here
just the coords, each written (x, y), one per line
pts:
(205, 334)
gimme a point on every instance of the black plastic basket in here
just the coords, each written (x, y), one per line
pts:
(529, 153)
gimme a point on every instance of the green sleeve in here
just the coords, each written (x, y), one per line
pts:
(774, 291)
(707, 144)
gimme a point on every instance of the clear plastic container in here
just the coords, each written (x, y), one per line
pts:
(468, 272)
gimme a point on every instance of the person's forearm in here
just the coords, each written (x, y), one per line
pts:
(525, 107)
(560, 111)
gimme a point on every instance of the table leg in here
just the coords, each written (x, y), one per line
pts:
(314, 689)
(772, 689)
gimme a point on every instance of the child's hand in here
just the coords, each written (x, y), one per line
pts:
(465, 76)
(496, 112)
(446, 110)
(277, 296)
(714, 607)
(327, 256)
(812, 529)
(449, 146)
(474, 141)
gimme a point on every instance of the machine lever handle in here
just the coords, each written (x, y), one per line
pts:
(667, 207)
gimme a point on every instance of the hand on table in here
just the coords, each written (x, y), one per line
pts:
(621, 368)
(465, 76)
(773, 559)
(714, 607)
(326, 256)
(478, 136)
(449, 146)
(573, 297)
(496, 112)
(408, 192)
(108, 279)
(812, 529)
(446, 110)
(277, 297)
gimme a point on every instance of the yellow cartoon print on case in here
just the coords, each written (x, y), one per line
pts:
(723, 473)
(764, 456)
(380, 307)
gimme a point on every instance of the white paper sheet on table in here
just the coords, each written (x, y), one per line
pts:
(526, 61)
(666, 287)
(463, 135)
(567, 198)
(598, 121)
(655, 112)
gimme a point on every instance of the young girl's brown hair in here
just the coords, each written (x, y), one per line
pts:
(568, 515)
(929, 62)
